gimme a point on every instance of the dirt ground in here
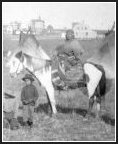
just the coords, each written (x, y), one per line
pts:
(69, 124)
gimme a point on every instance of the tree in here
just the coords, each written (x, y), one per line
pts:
(111, 30)
(113, 26)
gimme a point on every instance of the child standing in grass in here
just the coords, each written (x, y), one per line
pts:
(29, 95)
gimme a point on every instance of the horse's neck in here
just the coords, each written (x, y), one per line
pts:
(34, 64)
(43, 54)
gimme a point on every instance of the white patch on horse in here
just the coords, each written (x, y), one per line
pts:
(44, 77)
(27, 63)
(94, 77)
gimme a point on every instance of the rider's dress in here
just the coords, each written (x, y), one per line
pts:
(69, 55)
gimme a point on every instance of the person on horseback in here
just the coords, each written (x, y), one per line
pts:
(69, 56)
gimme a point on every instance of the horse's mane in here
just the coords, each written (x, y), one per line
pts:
(28, 40)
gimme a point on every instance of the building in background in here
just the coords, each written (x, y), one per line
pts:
(12, 28)
(7, 29)
(60, 33)
(83, 31)
(16, 26)
(37, 25)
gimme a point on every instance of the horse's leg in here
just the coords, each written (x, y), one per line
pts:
(50, 93)
(92, 95)
(101, 90)
(50, 89)
(98, 104)
(91, 102)
(102, 106)
(98, 101)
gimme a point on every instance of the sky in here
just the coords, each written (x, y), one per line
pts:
(98, 15)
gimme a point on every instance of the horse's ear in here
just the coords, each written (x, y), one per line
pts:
(20, 56)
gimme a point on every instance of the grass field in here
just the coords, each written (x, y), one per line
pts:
(69, 124)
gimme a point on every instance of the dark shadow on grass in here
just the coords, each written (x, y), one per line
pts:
(107, 119)
(8, 96)
(81, 111)
(46, 109)
(43, 108)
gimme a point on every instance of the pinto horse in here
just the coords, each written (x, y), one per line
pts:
(31, 57)
(99, 68)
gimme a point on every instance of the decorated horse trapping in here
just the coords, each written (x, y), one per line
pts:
(66, 75)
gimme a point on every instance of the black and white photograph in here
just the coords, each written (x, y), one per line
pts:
(59, 71)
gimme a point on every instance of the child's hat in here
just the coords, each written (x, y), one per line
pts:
(28, 76)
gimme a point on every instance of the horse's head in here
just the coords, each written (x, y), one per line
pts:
(15, 64)
(30, 56)
(20, 59)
